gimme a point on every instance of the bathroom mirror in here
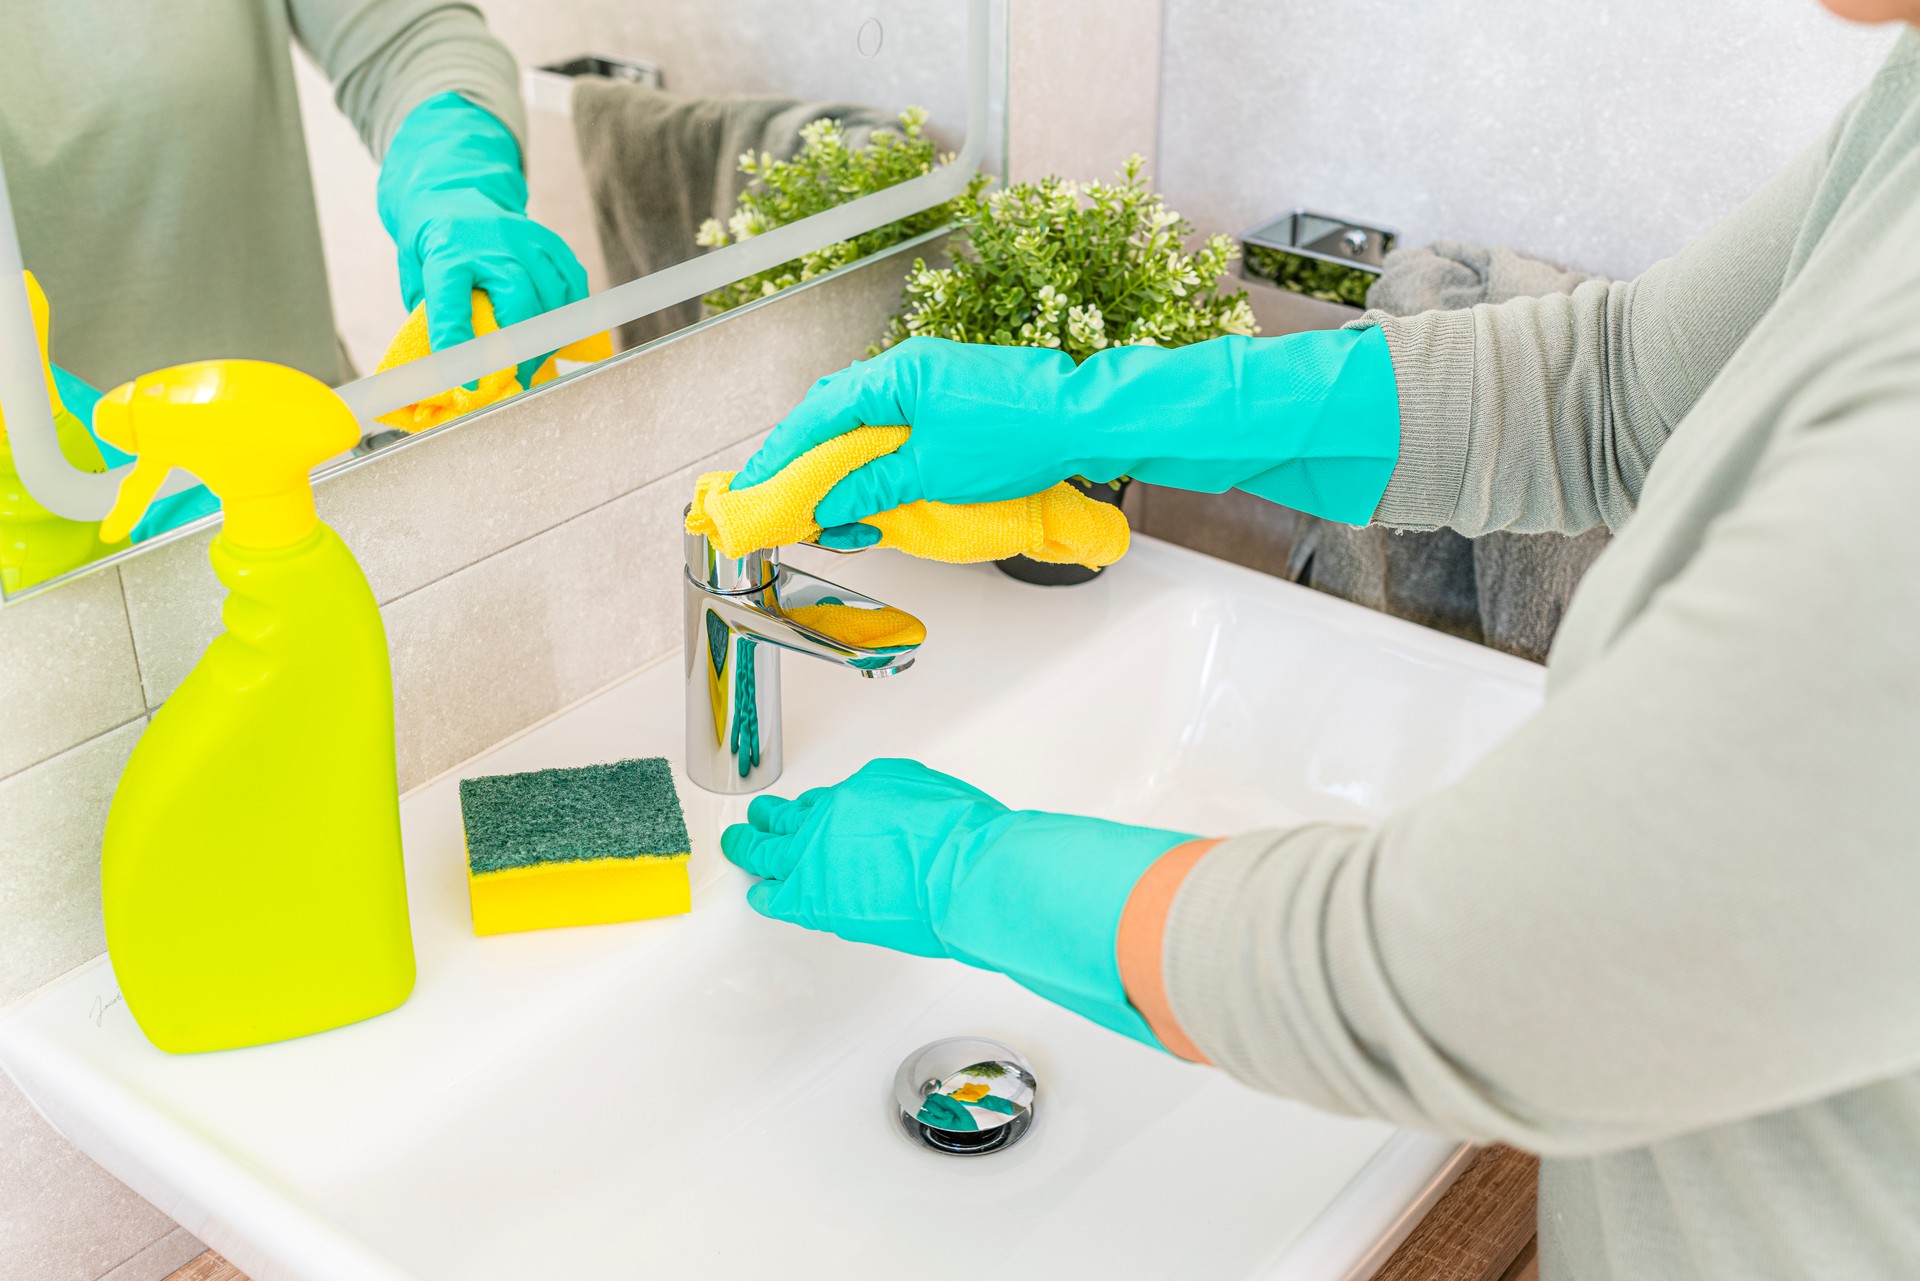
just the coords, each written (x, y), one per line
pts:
(222, 200)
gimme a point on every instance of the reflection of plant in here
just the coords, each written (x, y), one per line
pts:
(825, 173)
(1055, 264)
(989, 1070)
(1327, 281)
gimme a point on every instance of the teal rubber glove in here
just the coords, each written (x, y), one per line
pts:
(944, 1112)
(1310, 420)
(170, 512)
(453, 196)
(909, 858)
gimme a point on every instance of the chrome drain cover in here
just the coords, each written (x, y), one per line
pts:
(965, 1096)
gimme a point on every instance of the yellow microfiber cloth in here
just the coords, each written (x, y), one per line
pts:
(411, 343)
(1061, 526)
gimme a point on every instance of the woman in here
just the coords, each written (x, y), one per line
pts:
(159, 181)
(1668, 935)
(159, 176)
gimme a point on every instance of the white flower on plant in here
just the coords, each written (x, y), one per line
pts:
(1087, 327)
(746, 223)
(1238, 319)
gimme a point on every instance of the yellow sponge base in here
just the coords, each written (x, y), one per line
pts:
(597, 891)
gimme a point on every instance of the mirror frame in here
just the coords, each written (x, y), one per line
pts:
(87, 496)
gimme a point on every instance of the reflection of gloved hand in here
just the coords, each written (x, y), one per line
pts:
(943, 1113)
(453, 197)
(1311, 420)
(73, 402)
(914, 860)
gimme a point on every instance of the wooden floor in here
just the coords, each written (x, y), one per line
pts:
(1481, 1230)
(208, 1267)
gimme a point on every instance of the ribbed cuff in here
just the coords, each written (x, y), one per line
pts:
(1211, 974)
(1433, 368)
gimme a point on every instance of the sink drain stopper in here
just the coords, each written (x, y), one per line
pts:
(965, 1096)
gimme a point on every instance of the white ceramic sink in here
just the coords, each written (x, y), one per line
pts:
(708, 1096)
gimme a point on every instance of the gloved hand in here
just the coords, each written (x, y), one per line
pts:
(908, 858)
(453, 197)
(1311, 420)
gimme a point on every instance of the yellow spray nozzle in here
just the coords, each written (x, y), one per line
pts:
(112, 419)
(250, 429)
(135, 496)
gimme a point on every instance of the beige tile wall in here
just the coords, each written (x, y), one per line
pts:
(523, 560)
(1083, 86)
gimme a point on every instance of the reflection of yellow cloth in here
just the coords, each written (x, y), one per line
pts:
(883, 628)
(411, 343)
(35, 544)
(1061, 526)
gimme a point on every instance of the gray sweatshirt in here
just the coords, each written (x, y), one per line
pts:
(1668, 935)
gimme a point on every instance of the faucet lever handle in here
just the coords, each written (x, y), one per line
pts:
(728, 575)
(837, 551)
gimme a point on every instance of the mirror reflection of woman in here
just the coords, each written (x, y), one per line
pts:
(160, 186)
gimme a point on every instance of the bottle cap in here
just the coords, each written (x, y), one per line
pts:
(253, 431)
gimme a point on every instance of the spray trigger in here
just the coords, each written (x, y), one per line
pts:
(136, 495)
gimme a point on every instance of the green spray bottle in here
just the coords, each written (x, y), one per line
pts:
(251, 873)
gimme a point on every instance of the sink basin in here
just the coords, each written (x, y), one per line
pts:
(708, 1096)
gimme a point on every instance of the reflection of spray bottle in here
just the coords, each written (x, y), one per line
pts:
(35, 544)
(251, 873)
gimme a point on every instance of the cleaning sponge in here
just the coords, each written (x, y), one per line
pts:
(584, 846)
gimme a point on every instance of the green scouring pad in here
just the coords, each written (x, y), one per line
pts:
(583, 846)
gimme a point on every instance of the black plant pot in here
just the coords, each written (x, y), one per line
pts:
(1041, 573)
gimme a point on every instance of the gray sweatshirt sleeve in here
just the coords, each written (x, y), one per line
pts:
(1684, 894)
(385, 57)
(1544, 414)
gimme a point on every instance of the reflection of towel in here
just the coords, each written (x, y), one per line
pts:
(1061, 526)
(1450, 276)
(1508, 590)
(411, 343)
(658, 166)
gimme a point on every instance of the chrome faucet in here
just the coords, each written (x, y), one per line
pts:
(739, 614)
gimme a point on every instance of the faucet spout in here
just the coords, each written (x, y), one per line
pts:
(739, 616)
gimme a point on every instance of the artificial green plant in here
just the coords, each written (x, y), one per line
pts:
(824, 173)
(1080, 268)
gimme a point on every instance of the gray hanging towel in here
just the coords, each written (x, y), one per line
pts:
(658, 165)
(1505, 590)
